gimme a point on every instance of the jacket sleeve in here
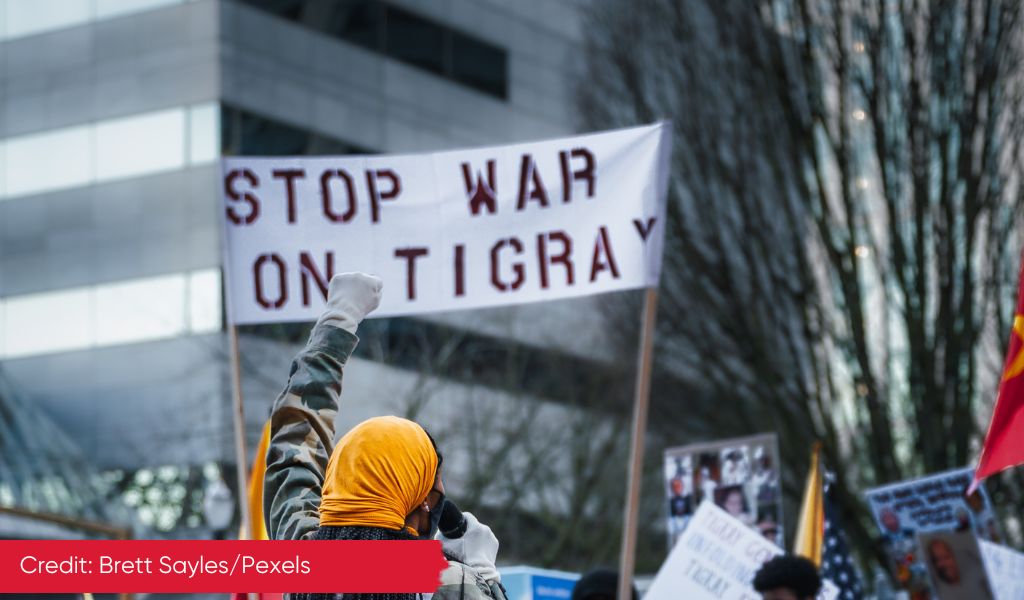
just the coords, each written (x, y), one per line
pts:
(302, 434)
(461, 582)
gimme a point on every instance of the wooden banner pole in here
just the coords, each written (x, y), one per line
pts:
(645, 360)
(120, 533)
(241, 457)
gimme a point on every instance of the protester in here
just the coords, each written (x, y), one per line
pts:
(381, 482)
(599, 584)
(788, 577)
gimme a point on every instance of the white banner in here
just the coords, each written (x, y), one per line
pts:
(450, 230)
(716, 558)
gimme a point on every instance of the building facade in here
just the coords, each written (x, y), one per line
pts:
(113, 115)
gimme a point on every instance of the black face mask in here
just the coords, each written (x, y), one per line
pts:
(435, 518)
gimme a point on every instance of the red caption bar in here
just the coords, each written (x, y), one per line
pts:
(183, 566)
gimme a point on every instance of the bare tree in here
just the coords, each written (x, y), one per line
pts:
(844, 195)
(537, 450)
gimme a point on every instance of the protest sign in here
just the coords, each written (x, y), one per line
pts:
(739, 475)
(1005, 570)
(955, 565)
(716, 557)
(933, 503)
(449, 230)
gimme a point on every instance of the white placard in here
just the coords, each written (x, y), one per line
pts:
(450, 230)
(1005, 568)
(716, 557)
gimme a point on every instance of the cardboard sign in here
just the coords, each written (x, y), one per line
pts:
(740, 475)
(446, 231)
(716, 558)
(933, 503)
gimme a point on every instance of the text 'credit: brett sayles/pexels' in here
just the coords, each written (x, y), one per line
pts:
(163, 565)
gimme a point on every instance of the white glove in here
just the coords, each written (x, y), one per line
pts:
(477, 548)
(350, 297)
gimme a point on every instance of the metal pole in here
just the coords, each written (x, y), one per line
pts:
(636, 452)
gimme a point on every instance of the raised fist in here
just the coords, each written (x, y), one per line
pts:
(350, 297)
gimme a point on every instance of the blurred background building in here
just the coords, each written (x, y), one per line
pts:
(113, 115)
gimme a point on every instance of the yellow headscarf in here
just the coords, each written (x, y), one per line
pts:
(379, 472)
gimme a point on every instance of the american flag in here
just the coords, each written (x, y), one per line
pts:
(836, 563)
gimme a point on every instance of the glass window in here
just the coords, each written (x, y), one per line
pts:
(402, 35)
(203, 133)
(150, 308)
(479, 65)
(140, 144)
(125, 147)
(20, 18)
(204, 308)
(48, 322)
(48, 161)
(28, 17)
(106, 9)
(360, 22)
(136, 310)
(248, 134)
(264, 137)
(3, 166)
(414, 40)
(286, 9)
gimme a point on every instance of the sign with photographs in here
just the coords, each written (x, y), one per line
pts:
(740, 475)
(933, 503)
(956, 565)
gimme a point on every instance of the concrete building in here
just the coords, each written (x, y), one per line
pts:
(113, 115)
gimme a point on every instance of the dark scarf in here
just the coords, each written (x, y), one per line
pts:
(348, 532)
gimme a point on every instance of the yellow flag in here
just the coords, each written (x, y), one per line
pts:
(810, 531)
(259, 468)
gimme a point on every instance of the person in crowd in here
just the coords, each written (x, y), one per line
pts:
(383, 480)
(599, 584)
(787, 577)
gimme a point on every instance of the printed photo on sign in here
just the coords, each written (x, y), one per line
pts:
(933, 503)
(955, 565)
(738, 475)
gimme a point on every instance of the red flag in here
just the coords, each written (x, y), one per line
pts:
(1004, 442)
